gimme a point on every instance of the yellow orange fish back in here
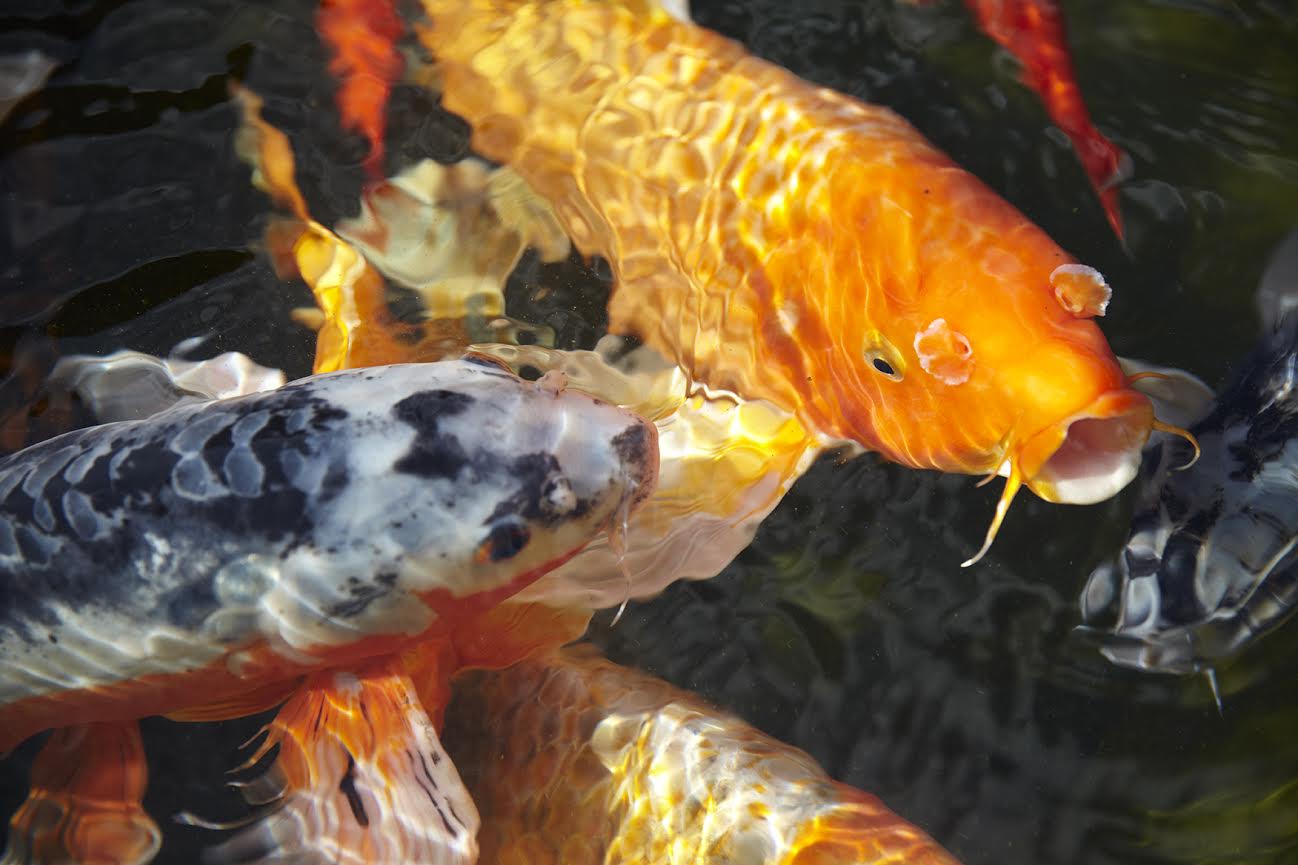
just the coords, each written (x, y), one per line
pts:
(769, 234)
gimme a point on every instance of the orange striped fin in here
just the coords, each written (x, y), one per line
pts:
(246, 702)
(360, 778)
(84, 807)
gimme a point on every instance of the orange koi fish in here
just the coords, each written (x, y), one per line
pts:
(789, 243)
(573, 759)
(1033, 31)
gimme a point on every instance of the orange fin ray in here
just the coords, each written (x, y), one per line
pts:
(85, 804)
(250, 702)
(360, 778)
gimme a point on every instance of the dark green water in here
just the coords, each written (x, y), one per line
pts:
(964, 698)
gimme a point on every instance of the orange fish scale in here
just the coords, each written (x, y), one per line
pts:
(572, 759)
(760, 227)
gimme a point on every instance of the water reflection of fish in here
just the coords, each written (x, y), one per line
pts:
(202, 561)
(786, 242)
(1209, 566)
(574, 759)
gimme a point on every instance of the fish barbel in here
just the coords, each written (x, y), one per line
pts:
(789, 243)
(216, 549)
(573, 759)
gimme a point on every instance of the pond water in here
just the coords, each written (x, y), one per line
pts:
(965, 699)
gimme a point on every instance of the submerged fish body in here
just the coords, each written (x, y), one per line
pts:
(1209, 565)
(786, 242)
(146, 566)
(574, 759)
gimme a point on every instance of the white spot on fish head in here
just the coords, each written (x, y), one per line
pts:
(1081, 290)
(944, 353)
(1140, 603)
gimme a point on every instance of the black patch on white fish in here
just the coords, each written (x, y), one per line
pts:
(127, 499)
(432, 455)
(1209, 565)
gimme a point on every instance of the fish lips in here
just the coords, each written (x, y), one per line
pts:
(1091, 455)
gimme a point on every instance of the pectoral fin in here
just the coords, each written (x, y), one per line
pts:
(360, 778)
(249, 702)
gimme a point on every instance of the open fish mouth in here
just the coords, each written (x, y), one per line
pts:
(1085, 458)
(1093, 454)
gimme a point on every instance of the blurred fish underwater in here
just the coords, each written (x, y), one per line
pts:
(1208, 567)
(967, 701)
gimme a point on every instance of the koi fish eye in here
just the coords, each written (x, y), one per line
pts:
(506, 539)
(882, 357)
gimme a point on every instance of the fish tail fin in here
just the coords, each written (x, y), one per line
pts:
(84, 806)
(359, 777)
(1033, 31)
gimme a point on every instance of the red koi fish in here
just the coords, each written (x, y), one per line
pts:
(363, 35)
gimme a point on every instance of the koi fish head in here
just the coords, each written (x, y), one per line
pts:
(471, 483)
(998, 369)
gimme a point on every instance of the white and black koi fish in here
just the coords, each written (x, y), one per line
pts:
(148, 566)
(1210, 563)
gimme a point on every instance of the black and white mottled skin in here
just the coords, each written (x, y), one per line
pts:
(305, 518)
(1210, 564)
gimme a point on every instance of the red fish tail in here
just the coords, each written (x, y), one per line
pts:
(360, 777)
(1033, 31)
(84, 806)
(362, 36)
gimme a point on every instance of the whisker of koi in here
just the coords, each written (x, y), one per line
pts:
(1146, 374)
(1181, 433)
(1012, 485)
(617, 537)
